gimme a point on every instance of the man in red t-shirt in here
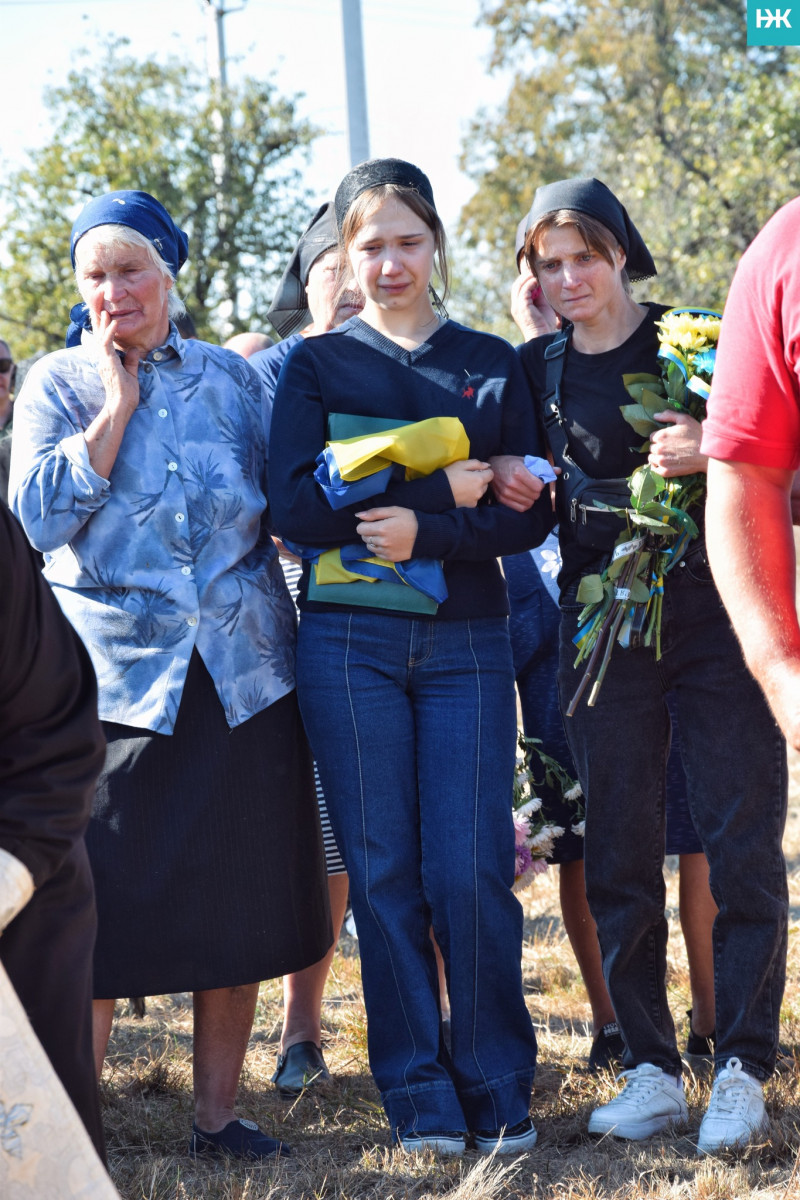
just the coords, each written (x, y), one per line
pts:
(752, 437)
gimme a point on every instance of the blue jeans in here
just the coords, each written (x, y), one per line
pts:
(412, 723)
(735, 761)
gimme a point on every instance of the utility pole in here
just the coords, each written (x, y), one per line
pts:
(357, 127)
(215, 43)
(220, 160)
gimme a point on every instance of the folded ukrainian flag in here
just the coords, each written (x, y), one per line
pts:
(355, 468)
(367, 454)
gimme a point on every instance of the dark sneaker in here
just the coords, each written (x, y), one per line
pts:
(239, 1139)
(506, 1141)
(437, 1140)
(607, 1050)
(699, 1052)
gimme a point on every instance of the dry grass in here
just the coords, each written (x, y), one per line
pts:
(340, 1137)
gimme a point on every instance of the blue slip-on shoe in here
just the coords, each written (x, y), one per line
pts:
(239, 1139)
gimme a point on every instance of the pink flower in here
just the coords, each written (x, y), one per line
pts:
(521, 831)
(524, 861)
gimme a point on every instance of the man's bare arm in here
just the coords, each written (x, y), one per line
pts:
(751, 548)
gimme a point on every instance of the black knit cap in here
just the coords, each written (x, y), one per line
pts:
(289, 311)
(375, 172)
(592, 197)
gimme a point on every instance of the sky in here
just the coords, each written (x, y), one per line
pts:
(426, 70)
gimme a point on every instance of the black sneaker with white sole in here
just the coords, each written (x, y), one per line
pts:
(506, 1141)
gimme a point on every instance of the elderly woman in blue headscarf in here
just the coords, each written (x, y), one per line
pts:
(139, 469)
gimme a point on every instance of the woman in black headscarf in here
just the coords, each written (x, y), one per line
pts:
(313, 296)
(583, 249)
(409, 702)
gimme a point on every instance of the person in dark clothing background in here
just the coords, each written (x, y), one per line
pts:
(51, 751)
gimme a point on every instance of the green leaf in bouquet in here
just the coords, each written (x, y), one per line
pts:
(636, 384)
(648, 522)
(640, 591)
(685, 521)
(645, 485)
(676, 384)
(640, 377)
(590, 590)
(615, 508)
(665, 513)
(639, 419)
(652, 402)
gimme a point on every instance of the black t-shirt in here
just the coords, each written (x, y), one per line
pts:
(601, 441)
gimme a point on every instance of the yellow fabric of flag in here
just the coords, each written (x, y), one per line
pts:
(422, 447)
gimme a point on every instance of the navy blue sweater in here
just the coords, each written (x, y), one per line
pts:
(458, 372)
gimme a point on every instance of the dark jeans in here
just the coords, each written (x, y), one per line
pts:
(412, 723)
(735, 760)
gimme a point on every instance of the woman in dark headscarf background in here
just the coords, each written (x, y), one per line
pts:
(313, 296)
(139, 468)
(583, 248)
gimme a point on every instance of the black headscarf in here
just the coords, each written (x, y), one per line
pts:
(374, 173)
(592, 197)
(289, 311)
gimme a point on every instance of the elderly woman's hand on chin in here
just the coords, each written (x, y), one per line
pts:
(120, 379)
(119, 373)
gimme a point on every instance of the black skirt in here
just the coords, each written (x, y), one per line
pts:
(206, 851)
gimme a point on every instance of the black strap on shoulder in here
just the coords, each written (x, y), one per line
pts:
(555, 356)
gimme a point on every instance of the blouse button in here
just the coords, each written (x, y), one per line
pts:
(173, 466)
(191, 621)
(157, 357)
(179, 517)
(186, 570)
(162, 412)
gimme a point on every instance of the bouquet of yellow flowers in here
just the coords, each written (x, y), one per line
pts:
(623, 605)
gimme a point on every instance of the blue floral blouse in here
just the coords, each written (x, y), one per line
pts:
(172, 551)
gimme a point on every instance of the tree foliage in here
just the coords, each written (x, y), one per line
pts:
(156, 126)
(662, 99)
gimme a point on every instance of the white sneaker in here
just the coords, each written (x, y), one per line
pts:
(650, 1100)
(735, 1114)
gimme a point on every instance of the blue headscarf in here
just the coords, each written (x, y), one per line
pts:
(136, 210)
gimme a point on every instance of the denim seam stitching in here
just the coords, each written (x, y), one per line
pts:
(366, 866)
(476, 797)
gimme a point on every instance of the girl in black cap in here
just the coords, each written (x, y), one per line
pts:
(409, 705)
